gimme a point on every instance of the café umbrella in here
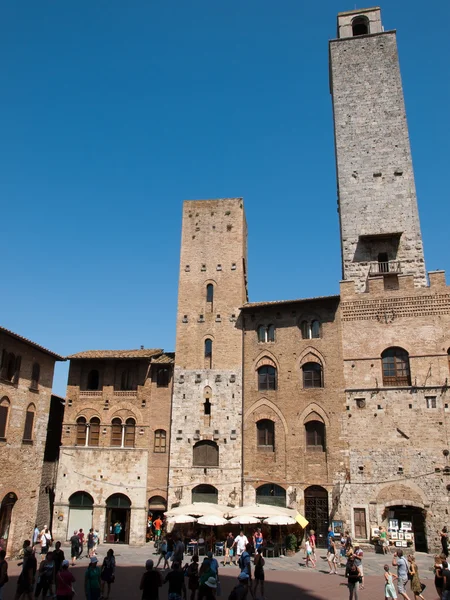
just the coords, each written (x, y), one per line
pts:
(212, 521)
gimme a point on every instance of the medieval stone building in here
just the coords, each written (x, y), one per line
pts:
(27, 474)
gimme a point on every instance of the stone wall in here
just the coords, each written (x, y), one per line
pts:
(376, 187)
(22, 460)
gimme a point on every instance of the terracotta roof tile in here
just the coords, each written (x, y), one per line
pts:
(278, 302)
(27, 341)
(168, 358)
(139, 353)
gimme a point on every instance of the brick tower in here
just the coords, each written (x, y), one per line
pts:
(206, 445)
(380, 229)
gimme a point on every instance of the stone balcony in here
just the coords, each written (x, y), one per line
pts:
(390, 267)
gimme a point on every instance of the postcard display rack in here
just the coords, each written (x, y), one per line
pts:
(401, 534)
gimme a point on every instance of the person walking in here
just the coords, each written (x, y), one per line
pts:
(312, 541)
(331, 555)
(151, 581)
(401, 563)
(175, 579)
(358, 562)
(64, 582)
(80, 535)
(170, 549)
(384, 542)
(117, 531)
(240, 543)
(259, 563)
(438, 574)
(258, 539)
(58, 556)
(192, 574)
(178, 550)
(46, 577)
(240, 591)
(229, 541)
(444, 541)
(353, 578)
(416, 587)
(36, 534)
(92, 581)
(46, 541)
(309, 555)
(74, 548)
(3, 572)
(389, 589)
(446, 577)
(108, 573)
(25, 582)
(96, 542)
(162, 553)
(157, 525)
(90, 543)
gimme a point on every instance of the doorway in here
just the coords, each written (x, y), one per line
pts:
(6, 510)
(118, 512)
(81, 505)
(316, 512)
(414, 515)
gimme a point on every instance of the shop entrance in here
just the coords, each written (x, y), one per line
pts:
(118, 511)
(316, 512)
(414, 515)
(6, 510)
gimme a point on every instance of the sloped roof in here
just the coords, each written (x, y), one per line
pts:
(139, 353)
(278, 302)
(168, 358)
(30, 343)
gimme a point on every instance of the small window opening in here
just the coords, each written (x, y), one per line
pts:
(208, 353)
(360, 26)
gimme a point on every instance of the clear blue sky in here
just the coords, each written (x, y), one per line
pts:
(113, 112)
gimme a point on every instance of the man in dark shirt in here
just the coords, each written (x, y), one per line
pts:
(175, 578)
(25, 582)
(150, 582)
(74, 547)
(446, 576)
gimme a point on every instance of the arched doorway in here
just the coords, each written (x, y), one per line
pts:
(205, 493)
(81, 505)
(272, 494)
(157, 505)
(414, 515)
(118, 509)
(6, 510)
(316, 512)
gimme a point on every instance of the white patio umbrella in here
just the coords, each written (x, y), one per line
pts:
(212, 521)
(197, 509)
(180, 519)
(280, 520)
(261, 511)
(244, 520)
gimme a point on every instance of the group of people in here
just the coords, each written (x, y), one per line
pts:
(54, 578)
(77, 544)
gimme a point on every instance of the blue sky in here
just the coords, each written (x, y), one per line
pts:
(113, 112)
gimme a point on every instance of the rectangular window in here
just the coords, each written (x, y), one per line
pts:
(28, 429)
(163, 377)
(359, 519)
(3, 420)
(160, 442)
(431, 401)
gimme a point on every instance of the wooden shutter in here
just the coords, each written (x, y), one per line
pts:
(116, 433)
(81, 432)
(130, 429)
(94, 433)
(28, 429)
(212, 455)
(3, 420)
(261, 434)
(17, 369)
(4, 367)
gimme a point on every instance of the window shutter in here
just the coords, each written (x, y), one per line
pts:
(28, 429)
(271, 434)
(261, 436)
(3, 420)
(94, 433)
(116, 434)
(4, 367)
(17, 368)
(130, 435)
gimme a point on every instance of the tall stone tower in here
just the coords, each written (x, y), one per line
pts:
(380, 229)
(206, 442)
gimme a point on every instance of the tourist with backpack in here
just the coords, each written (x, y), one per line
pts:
(74, 547)
(353, 578)
(240, 591)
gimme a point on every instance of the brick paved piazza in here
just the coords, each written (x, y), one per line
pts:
(286, 578)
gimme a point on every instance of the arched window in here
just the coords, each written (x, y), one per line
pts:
(267, 378)
(206, 454)
(163, 377)
(312, 375)
(271, 333)
(208, 353)
(93, 380)
(160, 441)
(265, 429)
(266, 333)
(116, 433)
(262, 333)
(10, 366)
(210, 293)
(94, 431)
(130, 433)
(118, 501)
(126, 380)
(35, 376)
(272, 494)
(81, 499)
(205, 493)
(29, 422)
(4, 413)
(396, 367)
(360, 26)
(315, 329)
(81, 431)
(315, 436)
(304, 328)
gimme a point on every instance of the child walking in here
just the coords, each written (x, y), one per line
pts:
(389, 589)
(309, 555)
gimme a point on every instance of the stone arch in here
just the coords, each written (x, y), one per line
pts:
(206, 281)
(88, 413)
(272, 406)
(266, 355)
(311, 409)
(124, 409)
(310, 354)
(408, 494)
